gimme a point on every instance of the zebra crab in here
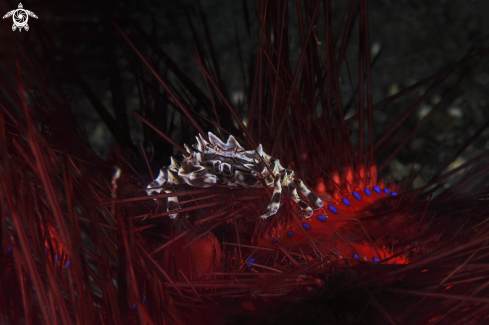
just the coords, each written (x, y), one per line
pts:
(216, 162)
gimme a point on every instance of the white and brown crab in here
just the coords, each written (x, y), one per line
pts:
(228, 163)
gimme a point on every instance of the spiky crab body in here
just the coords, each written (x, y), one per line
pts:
(214, 162)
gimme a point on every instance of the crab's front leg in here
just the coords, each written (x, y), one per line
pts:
(167, 176)
(173, 204)
(195, 175)
(274, 204)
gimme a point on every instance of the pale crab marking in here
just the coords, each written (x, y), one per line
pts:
(216, 162)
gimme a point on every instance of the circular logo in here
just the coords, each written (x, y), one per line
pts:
(20, 18)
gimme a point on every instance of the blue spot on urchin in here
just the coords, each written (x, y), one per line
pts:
(355, 256)
(144, 300)
(306, 225)
(275, 241)
(333, 209)
(394, 193)
(9, 249)
(56, 257)
(313, 254)
(134, 306)
(290, 234)
(376, 259)
(322, 218)
(250, 261)
(367, 191)
(355, 194)
(377, 189)
(67, 263)
(346, 202)
(386, 190)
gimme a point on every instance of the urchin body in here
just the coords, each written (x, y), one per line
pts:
(216, 162)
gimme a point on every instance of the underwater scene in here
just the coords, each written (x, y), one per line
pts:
(244, 162)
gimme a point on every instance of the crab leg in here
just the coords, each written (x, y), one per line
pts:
(316, 202)
(274, 204)
(307, 211)
(166, 176)
(172, 204)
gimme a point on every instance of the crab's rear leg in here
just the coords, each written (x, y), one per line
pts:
(315, 201)
(274, 204)
(306, 210)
